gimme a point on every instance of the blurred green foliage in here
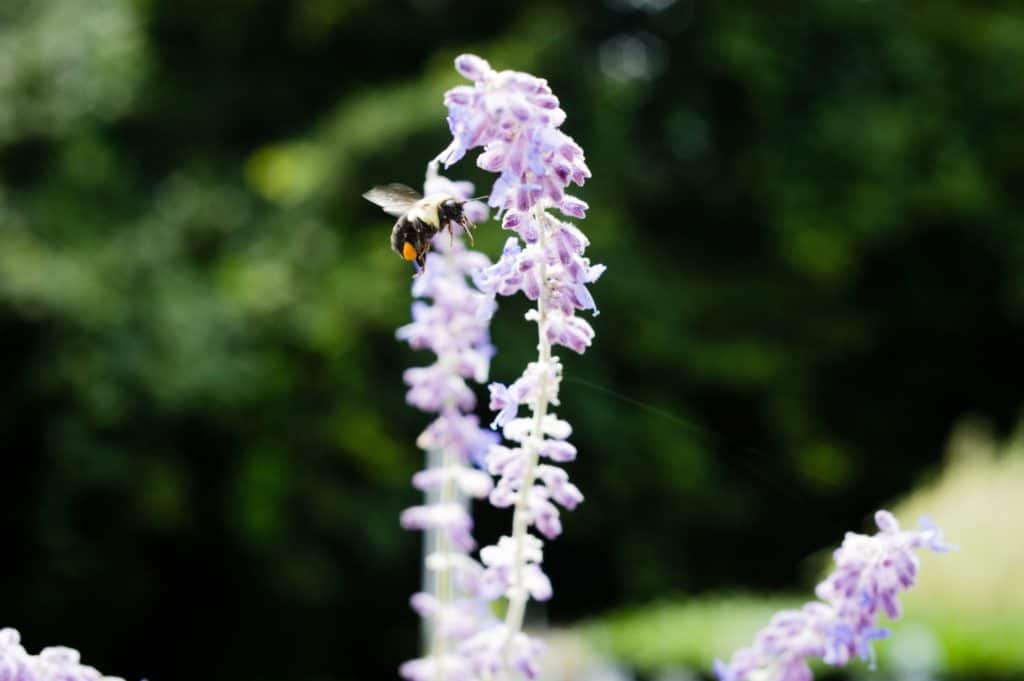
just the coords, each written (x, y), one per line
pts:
(810, 217)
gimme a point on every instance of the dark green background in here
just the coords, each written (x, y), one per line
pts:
(810, 212)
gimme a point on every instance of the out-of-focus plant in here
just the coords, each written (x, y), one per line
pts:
(454, 325)
(64, 62)
(57, 663)
(870, 573)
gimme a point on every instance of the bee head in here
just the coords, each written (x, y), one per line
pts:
(450, 210)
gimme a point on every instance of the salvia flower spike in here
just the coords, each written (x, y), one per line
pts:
(870, 573)
(515, 118)
(451, 319)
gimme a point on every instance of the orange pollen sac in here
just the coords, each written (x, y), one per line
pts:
(408, 251)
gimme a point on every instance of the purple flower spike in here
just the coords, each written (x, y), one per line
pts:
(514, 117)
(870, 573)
(454, 325)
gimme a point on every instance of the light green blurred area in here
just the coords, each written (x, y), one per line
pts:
(965, 615)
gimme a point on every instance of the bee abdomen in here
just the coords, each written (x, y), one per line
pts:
(411, 229)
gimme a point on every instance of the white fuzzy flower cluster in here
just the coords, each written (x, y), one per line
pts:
(51, 664)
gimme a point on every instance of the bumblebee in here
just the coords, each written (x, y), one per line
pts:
(419, 219)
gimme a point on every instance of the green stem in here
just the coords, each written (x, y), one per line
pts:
(519, 595)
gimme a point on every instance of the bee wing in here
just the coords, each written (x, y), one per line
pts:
(396, 199)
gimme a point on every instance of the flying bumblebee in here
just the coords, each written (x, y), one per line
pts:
(419, 219)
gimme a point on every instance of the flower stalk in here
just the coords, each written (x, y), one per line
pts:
(870, 573)
(515, 118)
(521, 516)
(450, 318)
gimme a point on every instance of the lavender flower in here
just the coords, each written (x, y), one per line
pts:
(51, 664)
(515, 118)
(454, 326)
(870, 573)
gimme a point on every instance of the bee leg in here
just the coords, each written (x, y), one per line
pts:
(421, 264)
(468, 228)
(422, 259)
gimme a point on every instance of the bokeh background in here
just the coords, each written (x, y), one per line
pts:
(811, 216)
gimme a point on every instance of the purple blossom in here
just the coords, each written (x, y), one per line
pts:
(450, 519)
(498, 578)
(514, 117)
(470, 482)
(451, 319)
(550, 484)
(491, 649)
(870, 573)
(566, 276)
(459, 434)
(451, 667)
(525, 390)
(457, 620)
(51, 664)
